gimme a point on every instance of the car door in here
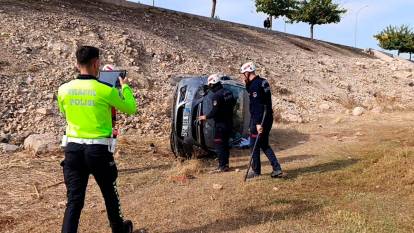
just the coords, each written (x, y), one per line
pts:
(208, 126)
(241, 116)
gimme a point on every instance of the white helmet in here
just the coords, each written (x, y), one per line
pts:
(248, 67)
(108, 67)
(214, 78)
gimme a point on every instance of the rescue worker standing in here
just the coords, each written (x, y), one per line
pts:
(86, 104)
(222, 112)
(260, 104)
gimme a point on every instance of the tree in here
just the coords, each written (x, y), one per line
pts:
(317, 12)
(276, 8)
(397, 38)
(411, 47)
(213, 9)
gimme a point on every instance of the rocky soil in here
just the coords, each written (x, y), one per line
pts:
(38, 40)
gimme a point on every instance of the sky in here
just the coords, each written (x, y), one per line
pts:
(373, 16)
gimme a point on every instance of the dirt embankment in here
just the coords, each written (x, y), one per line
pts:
(38, 40)
(344, 174)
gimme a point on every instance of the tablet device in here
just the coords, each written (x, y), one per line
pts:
(111, 77)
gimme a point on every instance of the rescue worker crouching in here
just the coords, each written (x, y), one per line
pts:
(260, 103)
(223, 103)
(86, 104)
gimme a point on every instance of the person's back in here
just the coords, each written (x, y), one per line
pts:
(266, 23)
(224, 113)
(87, 104)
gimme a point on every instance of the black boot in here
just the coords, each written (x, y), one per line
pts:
(252, 174)
(126, 227)
(276, 174)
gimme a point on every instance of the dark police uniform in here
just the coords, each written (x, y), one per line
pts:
(261, 100)
(222, 113)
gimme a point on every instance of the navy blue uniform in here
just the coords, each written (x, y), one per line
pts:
(222, 113)
(261, 100)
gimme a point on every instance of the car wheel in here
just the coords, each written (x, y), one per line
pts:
(179, 148)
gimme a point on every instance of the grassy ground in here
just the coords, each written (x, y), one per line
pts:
(344, 175)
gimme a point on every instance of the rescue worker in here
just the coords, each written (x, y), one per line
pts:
(86, 104)
(260, 104)
(222, 112)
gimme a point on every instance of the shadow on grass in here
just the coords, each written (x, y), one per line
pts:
(142, 169)
(282, 160)
(283, 139)
(279, 139)
(252, 217)
(321, 168)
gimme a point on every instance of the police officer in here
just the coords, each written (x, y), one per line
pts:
(86, 104)
(222, 112)
(260, 104)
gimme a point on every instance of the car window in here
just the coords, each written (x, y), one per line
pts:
(238, 112)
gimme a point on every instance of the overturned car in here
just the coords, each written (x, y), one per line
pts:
(192, 99)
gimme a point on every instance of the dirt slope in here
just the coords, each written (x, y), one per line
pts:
(308, 79)
(347, 175)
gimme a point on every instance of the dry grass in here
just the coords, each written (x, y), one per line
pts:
(334, 184)
(189, 168)
(348, 102)
(388, 103)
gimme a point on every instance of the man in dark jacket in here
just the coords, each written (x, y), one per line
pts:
(261, 119)
(222, 112)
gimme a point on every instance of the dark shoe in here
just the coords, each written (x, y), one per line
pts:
(225, 169)
(276, 174)
(128, 226)
(252, 175)
(221, 169)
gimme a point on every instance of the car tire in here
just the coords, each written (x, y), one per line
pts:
(180, 149)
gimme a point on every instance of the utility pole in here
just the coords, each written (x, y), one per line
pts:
(356, 23)
(153, 2)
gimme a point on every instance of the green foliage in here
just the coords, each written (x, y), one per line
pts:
(397, 38)
(317, 12)
(276, 8)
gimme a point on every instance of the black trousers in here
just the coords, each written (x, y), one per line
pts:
(263, 144)
(221, 144)
(81, 161)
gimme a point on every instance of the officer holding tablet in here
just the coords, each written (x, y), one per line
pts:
(86, 104)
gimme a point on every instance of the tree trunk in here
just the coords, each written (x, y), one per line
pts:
(213, 9)
(311, 30)
(271, 22)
